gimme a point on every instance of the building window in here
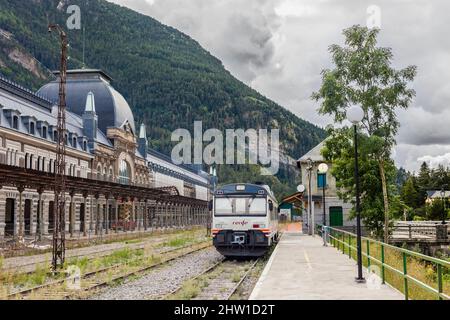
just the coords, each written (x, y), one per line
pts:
(74, 142)
(99, 172)
(84, 146)
(15, 122)
(32, 130)
(44, 132)
(321, 180)
(55, 136)
(124, 172)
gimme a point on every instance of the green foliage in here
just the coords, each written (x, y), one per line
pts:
(436, 209)
(363, 75)
(414, 192)
(168, 78)
(339, 150)
(410, 193)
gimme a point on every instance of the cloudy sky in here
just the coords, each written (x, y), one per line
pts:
(279, 47)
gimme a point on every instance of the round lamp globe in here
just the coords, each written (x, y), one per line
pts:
(355, 114)
(323, 168)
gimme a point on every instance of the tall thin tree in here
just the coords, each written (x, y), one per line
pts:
(363, 75)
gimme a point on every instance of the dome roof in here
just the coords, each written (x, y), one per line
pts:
(111, 107)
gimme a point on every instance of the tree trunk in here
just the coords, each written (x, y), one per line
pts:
(385, 200)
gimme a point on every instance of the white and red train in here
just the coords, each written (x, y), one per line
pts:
(244, 220)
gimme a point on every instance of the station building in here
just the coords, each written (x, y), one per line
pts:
(102, 143)
(337, 212)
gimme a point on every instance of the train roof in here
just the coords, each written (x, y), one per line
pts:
(244, 188)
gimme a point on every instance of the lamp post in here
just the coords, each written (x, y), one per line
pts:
(355, 114)
(323, 168)
(443, 204)
(212, 180)
(322, 182)
(309, 167)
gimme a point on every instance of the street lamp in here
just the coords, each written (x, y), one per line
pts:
(212, 180)
(355, 114)
(323, 168)
(309, 166)
(322, 182)
(443, 205)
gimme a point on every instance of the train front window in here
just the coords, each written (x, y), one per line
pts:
(240, 206)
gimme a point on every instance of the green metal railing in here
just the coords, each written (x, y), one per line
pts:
(426, 272)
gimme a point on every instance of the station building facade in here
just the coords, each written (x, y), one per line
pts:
(337, 211)
(102, 143)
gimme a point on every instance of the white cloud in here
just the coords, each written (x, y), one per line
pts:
(279, 47)
(295, 8)
(435, 161)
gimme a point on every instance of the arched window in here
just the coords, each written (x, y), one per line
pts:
(99, 172)
(124, 172)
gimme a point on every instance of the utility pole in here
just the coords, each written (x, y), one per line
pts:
(309, 168)
(59, 246)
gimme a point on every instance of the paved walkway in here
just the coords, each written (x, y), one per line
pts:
(301, 268)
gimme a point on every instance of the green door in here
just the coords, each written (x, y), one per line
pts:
(336, 217)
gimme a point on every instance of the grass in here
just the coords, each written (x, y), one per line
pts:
(112, 238)
(183, 239)
(128, 258)
(236, 277)
(417, 268)
(191, 289)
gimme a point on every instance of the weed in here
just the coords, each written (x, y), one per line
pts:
(235, 277)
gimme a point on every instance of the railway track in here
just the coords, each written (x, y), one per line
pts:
(149, 243)
(58, 289)
(220, 281)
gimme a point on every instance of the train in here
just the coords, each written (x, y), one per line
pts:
(244, 219)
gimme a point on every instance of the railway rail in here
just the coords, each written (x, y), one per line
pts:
(102, 277)
(222, 280)
(144, 244)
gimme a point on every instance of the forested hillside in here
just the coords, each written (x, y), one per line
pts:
(168, 78)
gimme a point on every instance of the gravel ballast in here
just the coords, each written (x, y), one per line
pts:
(163, 280)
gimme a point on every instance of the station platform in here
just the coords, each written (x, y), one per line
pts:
(301, 268)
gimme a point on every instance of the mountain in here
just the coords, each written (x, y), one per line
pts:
(167, 77)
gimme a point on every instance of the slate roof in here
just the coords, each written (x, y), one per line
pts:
(28, 104)
(111, 107)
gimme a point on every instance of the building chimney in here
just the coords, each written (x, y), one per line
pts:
(142, 141)
(90, 120)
